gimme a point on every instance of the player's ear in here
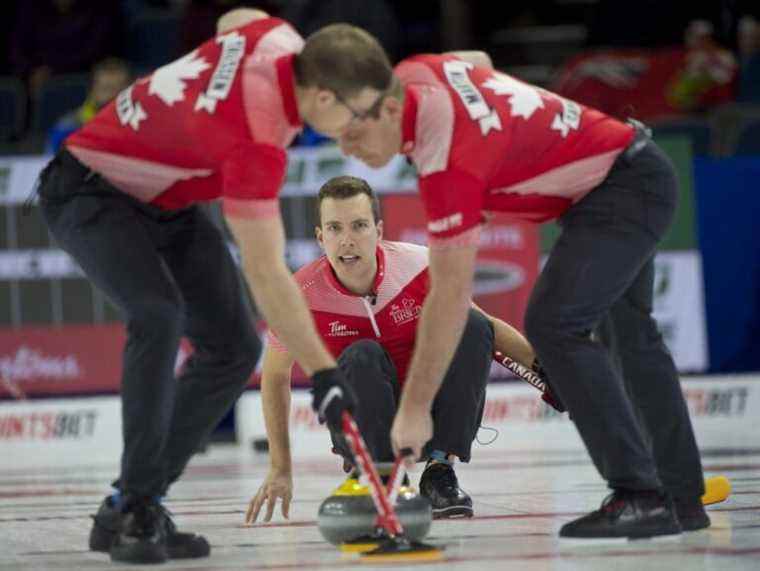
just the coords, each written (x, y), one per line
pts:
(318, 234)
(379, 226)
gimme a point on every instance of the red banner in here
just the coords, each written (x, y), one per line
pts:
(75, 359)
(60, 360)
(507, 257)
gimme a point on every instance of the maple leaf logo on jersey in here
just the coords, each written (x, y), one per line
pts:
(168, 82)
(524, 99)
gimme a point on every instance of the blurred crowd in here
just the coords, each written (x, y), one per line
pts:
(64, 59)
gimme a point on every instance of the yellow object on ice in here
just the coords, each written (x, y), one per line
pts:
(717, 489)
(359, 547)
(351, 487)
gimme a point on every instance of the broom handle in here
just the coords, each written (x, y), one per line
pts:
(386, 517)
(397, 475)
(520, 370)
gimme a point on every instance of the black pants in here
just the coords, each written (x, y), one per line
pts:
(170, 274)
(457, 408)
(632, 417)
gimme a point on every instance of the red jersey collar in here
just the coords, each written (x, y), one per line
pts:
(286, 79)
(335, 282)
(408, 121)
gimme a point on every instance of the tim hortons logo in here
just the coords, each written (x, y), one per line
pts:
(407, 310)
(28, 364)
(338, 329)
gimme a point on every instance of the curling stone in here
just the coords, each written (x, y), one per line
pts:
(349, 514)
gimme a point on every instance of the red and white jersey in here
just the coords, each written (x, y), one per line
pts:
(214, 123)
(388, 316)
(483, 141)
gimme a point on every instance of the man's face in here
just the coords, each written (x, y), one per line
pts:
(349, 237)
(331, 114)
(375, 140)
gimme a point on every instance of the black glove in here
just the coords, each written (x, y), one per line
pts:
(548, 396)
(331, 395)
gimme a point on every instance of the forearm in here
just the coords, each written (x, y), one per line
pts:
(443, 318)
(275, 397)
(511, 342)
(280, 299)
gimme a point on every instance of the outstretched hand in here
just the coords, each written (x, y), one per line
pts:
(278, 485)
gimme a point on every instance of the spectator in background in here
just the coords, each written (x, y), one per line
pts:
(109, 77)
(62, 36)
(708, 74)
(749, 37)
(748, 47)
(724, 18)
(671, 80)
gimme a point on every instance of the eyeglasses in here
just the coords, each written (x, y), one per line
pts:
(373, 112)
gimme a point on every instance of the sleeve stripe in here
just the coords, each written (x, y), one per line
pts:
(236, 208)
(467, 238)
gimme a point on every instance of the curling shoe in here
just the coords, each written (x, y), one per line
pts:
(439, 484)
(691, 514)
(626, 515)
(151, 532)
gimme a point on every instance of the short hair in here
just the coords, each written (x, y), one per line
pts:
(344, 59)
(343, 187)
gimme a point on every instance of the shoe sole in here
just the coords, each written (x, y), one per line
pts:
(101, 542)
(699, 528)
(695, 523)
(199, 550)
(623, 540)
(139, 554)
(453, 512)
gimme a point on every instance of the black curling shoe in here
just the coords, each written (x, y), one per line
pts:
(626, 514)
(439, 484)
(142, 531)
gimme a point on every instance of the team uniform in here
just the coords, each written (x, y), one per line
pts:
(504, 145)
(122, 199)
(214, 123)
(485, 142)
(373, 336)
